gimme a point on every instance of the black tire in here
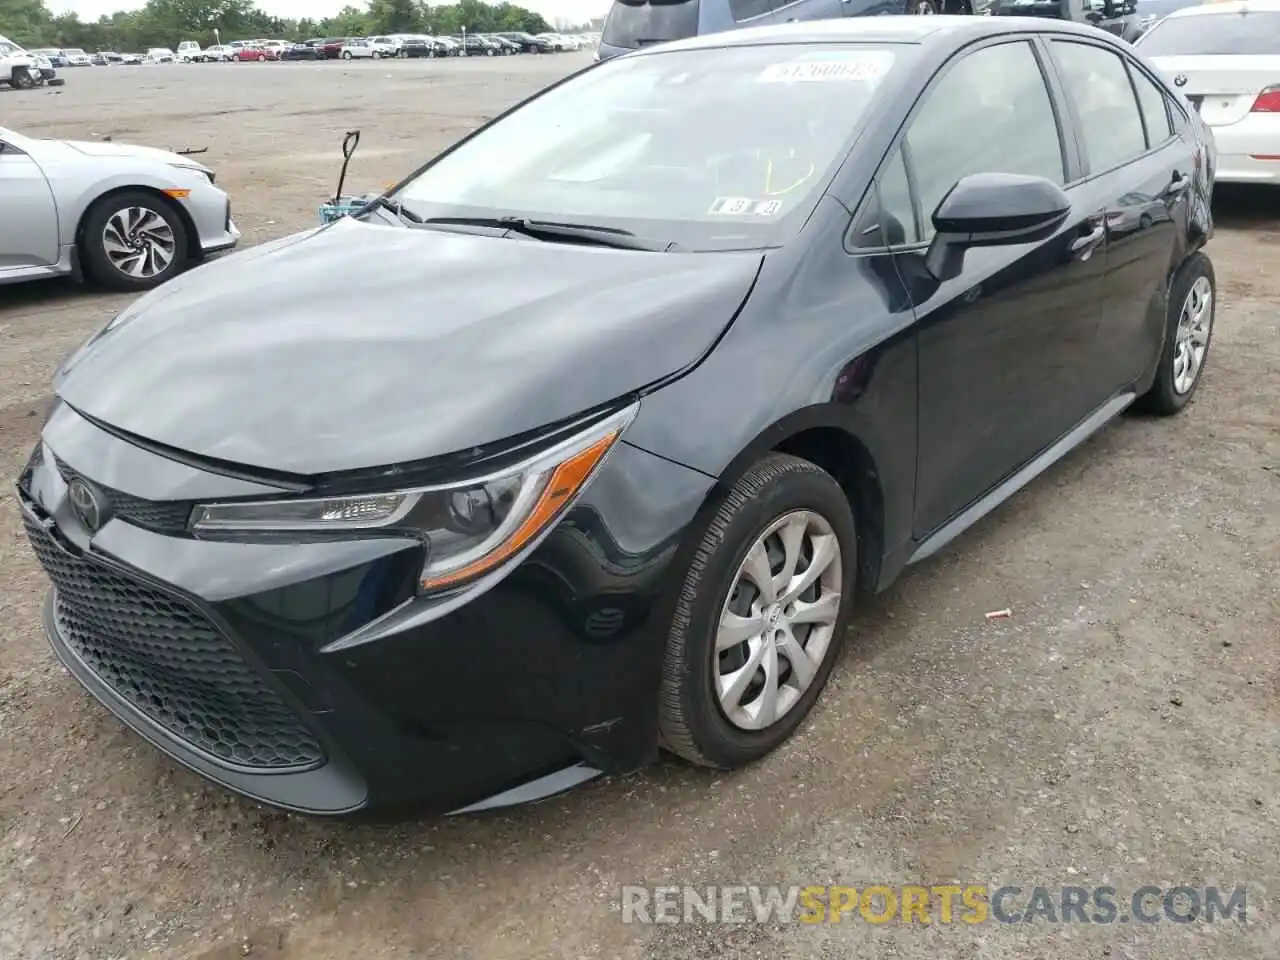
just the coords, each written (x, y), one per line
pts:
(377, 55)
(21, 79)
(921, 7)
(1163, 399)
(93, 253)
(691, 722)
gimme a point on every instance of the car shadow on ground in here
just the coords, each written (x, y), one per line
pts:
(1246, 207)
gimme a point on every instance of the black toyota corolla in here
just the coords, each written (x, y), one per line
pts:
(669, 364)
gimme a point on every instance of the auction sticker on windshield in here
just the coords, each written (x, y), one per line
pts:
(870, 66)
(744, 206)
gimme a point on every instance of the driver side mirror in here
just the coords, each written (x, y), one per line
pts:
(992, 210)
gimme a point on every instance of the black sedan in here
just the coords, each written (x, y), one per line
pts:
(302, 51)
(649, 408)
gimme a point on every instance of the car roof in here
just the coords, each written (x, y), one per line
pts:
(1228, 6)
(902, 29)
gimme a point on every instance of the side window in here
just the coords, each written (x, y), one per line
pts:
(746, 9)
(1155, 107)
(1110, 123)
(990, 113)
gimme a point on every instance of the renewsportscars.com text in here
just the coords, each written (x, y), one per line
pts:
(974, 903)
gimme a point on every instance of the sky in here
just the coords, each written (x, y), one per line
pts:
(575, 10)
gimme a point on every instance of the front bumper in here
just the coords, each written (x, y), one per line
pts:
(210, 210)
(311, 677)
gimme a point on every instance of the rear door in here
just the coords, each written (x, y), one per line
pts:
(1132, 154)
(29, 226)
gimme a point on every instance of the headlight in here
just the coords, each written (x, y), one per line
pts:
(469, 528)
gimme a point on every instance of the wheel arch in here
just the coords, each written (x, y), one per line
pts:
(820, 435)
(188, 225)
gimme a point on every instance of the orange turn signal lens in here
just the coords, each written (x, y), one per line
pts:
(176, 194)
(564, 483)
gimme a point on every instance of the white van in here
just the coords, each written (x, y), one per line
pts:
(189, 52)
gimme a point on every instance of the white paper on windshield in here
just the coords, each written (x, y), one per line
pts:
(744, 206)
(865, 67)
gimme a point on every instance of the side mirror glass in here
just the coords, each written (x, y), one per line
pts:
(992, 210)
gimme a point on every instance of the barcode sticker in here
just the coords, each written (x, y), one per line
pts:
(858, 68)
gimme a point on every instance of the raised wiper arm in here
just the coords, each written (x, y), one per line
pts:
(551, 230)
(396, 207)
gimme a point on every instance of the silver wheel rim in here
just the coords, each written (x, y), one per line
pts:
(778, 622)
(139, 242)
(924, 8)
(1192, 339)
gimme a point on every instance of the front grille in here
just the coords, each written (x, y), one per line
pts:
(162, 516)
(169, 662)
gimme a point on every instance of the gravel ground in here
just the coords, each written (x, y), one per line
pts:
(1121, 728)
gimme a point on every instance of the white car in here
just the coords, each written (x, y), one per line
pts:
(159, 55)
(360, 49)
(1225, 59)
(131, 59)
(189, 52)
(276, 48)
(77, 57)
(218, 53)
(386, 46)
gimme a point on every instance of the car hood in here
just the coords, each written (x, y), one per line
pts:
(361, 345)
(106, 150)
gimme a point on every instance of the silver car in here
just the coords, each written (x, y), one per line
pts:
(128, 217)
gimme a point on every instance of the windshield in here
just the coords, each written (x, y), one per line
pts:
(8, 49)
(1256, 33)
(636, 23)
(712, 148)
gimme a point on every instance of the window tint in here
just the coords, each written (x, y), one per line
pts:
(746, 9)
(1252, 33)
(990, 113)
(1110, 122)
(1155, 107)
(638, 23)
(898, 214)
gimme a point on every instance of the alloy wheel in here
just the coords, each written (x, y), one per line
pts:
(1191, 340)
(139, 242)
(778, 622)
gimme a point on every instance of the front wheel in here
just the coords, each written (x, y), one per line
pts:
(133, 241)
(21, 79)
(924, 8)
(377, 55)
(760, 616)
(1188, 332)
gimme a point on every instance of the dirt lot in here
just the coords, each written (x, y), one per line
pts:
(1122, 728)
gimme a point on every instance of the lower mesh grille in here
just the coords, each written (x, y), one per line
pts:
(169, 661)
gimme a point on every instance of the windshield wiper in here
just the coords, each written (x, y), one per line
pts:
(396, 207)
(550, 230)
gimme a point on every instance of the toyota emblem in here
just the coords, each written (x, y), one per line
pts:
(1180, 80)
(85, 504)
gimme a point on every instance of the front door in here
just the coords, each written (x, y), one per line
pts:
(29, 225)
(1000, 346)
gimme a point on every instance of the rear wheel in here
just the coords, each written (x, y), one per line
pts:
(377, 55)
(760, 616)
(346, 54)
(1188, 333)
(133, 241)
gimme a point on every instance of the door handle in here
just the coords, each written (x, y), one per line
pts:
(1178, 185)
(1082, 247)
